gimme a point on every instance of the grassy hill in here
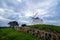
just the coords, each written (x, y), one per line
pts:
(46, 27)
(11, 34)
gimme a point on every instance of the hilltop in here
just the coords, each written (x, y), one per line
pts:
(46, 27)
(12, 34)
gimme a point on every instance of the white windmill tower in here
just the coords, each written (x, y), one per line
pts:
(35, 19)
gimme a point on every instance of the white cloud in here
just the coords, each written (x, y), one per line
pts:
(22, 9)
(2, 18)
(42, 7)
(19, 0)
(1, 10)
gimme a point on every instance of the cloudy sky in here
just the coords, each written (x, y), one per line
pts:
(22, 10)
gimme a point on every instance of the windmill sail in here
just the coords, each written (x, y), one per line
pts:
(34, 14)
(36, 20)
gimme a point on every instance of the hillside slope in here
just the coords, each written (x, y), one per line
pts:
(46, 27)
(11, 34)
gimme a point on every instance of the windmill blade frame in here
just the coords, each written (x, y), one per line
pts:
(34, 14)
(35, 19)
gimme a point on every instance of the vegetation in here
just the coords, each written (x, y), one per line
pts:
(13, 23)
(46, 27)
(23, 25)
(12, 34)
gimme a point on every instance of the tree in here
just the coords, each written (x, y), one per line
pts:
(23, 25)
(13, 24)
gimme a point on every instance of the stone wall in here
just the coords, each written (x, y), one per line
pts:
(40, 33)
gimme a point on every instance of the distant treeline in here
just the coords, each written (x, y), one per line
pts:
(4, 27)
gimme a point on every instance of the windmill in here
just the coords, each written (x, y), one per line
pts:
(35, 19)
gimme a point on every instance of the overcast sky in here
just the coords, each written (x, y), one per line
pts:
(21, 10)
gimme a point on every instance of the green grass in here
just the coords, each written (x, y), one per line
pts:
(11, 34)
(46, 26)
